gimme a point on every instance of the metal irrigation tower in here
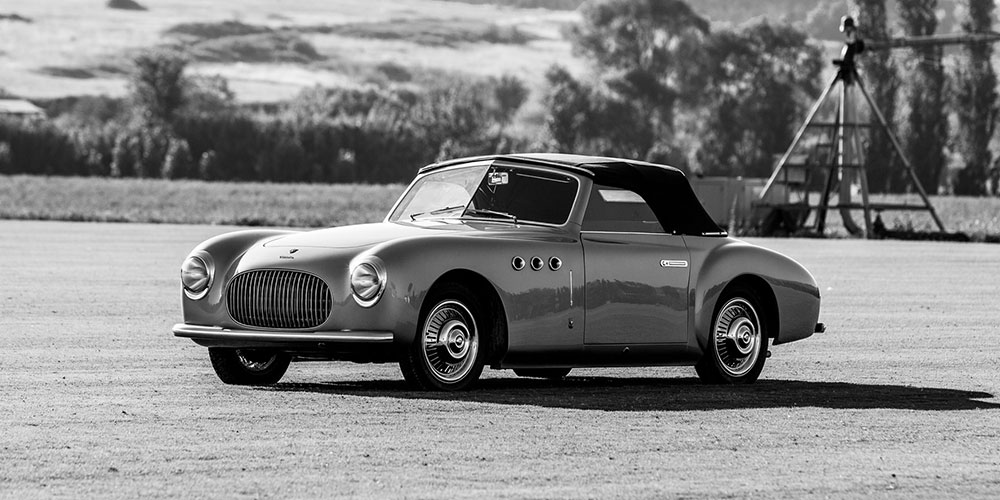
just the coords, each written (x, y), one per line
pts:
(842, 162)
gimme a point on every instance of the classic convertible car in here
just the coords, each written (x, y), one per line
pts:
(538, 263)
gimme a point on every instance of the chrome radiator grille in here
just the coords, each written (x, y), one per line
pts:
(272, 298)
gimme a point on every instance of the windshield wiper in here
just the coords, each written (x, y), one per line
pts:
(490, 213)
(435, 212)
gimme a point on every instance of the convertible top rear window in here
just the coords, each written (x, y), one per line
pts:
(619, 210)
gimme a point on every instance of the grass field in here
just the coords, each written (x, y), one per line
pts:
(897, 400)
(317, 205)
(193, 202)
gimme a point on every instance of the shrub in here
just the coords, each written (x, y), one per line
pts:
(35, 147)
(216, 30)
(125, 5)
(178, 163)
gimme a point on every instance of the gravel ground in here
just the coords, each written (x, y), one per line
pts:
(897, 399)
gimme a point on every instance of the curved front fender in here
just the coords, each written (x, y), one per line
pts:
(538, 308)
(225, 251)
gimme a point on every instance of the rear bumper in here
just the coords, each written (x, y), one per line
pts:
(364, 344)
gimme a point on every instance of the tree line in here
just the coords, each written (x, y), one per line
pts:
(663, 85)
(914, 87)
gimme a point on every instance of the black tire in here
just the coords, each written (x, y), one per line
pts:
(451, 311)
(738, 342)
(248, 366)
(547, 373)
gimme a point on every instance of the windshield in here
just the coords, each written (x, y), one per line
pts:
(504, 193)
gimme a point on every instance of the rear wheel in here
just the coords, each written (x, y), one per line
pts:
(450, 349)
(738, 342)
(248, 366)
(549, 373)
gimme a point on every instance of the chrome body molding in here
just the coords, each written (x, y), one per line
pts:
(219, 333)
(673, 263)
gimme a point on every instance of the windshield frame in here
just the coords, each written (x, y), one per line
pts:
(570, 214)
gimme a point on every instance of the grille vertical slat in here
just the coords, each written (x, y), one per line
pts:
(283, 290)
(268, 289)
(274, 308)
(312, 300)
(286, 302)
(289, 301)
(256, 295)
(271, 298)
(299, 299)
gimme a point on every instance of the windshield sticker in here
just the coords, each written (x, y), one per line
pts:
(499, 178)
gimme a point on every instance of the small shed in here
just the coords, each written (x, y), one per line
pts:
(20, 108)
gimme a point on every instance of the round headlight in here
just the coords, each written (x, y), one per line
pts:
(196, 276)
(367, 283)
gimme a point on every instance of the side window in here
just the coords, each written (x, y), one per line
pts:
(620, 210)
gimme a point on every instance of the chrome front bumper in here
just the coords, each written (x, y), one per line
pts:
(218, 334)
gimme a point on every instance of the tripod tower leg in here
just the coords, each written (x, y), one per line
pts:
(899, 150)
(853, 157)
(798, 136)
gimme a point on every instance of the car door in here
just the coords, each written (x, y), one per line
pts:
(636, 273)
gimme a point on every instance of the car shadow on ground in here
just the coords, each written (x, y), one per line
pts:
(668, 394)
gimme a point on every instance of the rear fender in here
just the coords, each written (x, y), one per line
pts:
(716, 265)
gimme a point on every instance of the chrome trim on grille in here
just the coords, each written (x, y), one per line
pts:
(278, 298)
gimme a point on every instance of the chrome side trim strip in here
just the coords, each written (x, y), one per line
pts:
(571, 288)
(219, 333)
(673, 263)
(591, 231)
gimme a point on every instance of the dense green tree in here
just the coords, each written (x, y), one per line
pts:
(647, 51)
(157, 84)
(759, 79)
(590, 119)
(510, 94)
(208, 95)
(926, 129)
(975, 100)
(568, 105)
(880, 74)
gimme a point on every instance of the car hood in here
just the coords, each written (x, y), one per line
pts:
(361, 235)
(366, 235)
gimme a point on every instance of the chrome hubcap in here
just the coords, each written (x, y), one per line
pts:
(256, 360)
(450, 341)
(737, 337)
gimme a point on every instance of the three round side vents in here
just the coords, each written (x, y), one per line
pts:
(536, 263)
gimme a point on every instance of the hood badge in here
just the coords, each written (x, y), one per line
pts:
(293, 250)
(289, 257)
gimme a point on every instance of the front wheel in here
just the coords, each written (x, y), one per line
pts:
(248, 366)
(450, 349)
(738, 343)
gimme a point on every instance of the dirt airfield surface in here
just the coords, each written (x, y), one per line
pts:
(898, 399)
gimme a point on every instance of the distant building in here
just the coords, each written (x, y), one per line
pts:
(20, 108)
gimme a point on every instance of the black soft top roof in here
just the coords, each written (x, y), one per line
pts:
(665, 189)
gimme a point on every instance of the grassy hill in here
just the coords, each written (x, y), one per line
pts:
(269, 51)
(66, 47)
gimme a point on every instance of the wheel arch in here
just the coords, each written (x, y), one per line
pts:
(483, 288)
(769, 303)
